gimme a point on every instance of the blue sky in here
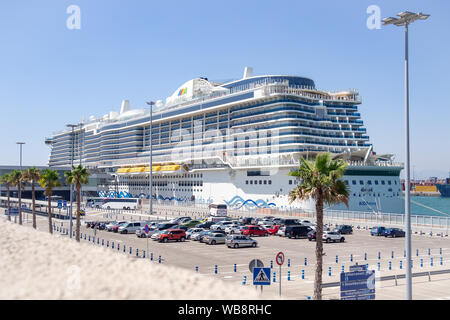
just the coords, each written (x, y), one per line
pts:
(141, 50)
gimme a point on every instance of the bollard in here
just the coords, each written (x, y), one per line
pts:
(159, 259)
(143, 254)
(337, 259)
(151, 256)
(367, 266)
(274, 277)
(235, 269)
(308, 297)
(440, 251)
(130, 249)
(421, 263)
(112, 245)
(244, 280)
(401, 266)
(215, 269)
(137, 252)
(271, 264)
(365, 256)
(379, 255)
(107, 243)
(98, 240)
(392, 254)
(404, 253)
(124, 246)
(118, 246)
(289, 262)
(417, 252)
(442, 261)
(89, 238)
(429, 251)
(378, 266)
(196, 268)
(303, 274)
(390, 265)
(342, 269)
(431, 261)
(289, 275)
(306, 261)
(329, 271)
(103, 242)
(351, 257)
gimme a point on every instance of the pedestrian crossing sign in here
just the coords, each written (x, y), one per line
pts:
(261, 276)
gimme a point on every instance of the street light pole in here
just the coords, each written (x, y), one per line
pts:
(20, 182)
(405, 19)
(71, 185)
(151, 103)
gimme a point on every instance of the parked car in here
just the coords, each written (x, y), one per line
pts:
(306, 223)
(266, 222)
(312, 235)
(251, 230)
(171, 235)
(273, 229)
(205, 225)
(221, 225)
(191, 223)
(140, 233)
(115, 226)
(245, 220)
(394, 232)
(281, 231)
(192, 231)
(199, 235)
(297, 231)
(166, 225)
(377, 231)
(238, 241)
(288, 222)
(233, 229)
(131, 227)
(214, 238)
(208, 233)
(344, 229)
(180, 220)
(329, 236)
(156, 233)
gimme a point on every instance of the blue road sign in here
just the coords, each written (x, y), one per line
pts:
(65, 204)
(359, 284)
(59, 203)
(261, 276)
(146, 229)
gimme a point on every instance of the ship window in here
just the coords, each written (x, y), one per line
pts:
(382, 182)
(290, 181)
(353, 181)
(265, 181)
(369, 182)
(260, 181)
(246, 181)
(376, 182)
(270, 181)
(251, 181)
(361, 182)
(354, 194)
(389, 182)
(395, 181)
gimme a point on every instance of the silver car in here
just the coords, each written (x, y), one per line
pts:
(215, 238)
(237, 241)
(192, 231)
(131, 227)
(233, 229)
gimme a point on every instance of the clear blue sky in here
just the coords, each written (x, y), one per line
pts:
(141, 50)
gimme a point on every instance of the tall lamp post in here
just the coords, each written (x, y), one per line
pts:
(151, 103)
(73, 126)
(405, 19)
(20, 182)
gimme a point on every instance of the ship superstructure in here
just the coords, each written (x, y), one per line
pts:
(233, 143)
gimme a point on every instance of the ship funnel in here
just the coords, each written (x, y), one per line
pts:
(125, 106)
(248, 72)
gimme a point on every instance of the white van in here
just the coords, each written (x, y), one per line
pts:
(131, 226)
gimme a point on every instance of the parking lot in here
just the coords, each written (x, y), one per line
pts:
(232, 264)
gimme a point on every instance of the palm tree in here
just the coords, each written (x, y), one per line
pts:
(320, 182)
(17, 181)
(6, 180)
(49, 180)
(32, 175)
(77, 176)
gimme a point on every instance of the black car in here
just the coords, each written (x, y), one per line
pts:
(394, 232)
(205, 225)
(245, 220)
(344, 229)
(289, 222)
(297, 231)
(312, 235)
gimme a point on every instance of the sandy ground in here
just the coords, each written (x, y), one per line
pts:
(37, 265)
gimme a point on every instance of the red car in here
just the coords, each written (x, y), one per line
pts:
(273, 229)
(254, 231)
(171, 234)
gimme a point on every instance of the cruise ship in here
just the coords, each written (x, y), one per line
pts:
(232, 143)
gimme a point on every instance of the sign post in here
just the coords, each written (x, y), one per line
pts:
(280, 260)
(146, 229)
(256, 263)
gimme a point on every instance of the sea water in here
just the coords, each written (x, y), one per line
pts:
(430, 206)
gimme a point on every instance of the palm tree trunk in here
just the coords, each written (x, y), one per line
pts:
(319, 249)
(9, 205)
(77, 235)
(19, 194)
(33, 200)
(50, 229)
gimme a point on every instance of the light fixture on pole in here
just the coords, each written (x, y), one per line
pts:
(71, 185)
(151, 103)
(20, 182)
(405, 19)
